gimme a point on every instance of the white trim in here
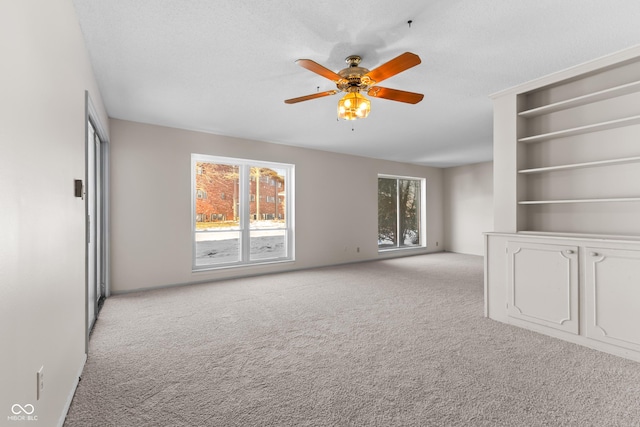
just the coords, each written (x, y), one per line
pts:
(609, 162)
(93, 114)
(486, 274)
(594, 127)
(244, 200)
(106, 223)
(384, 175)
(609, 238)
(571, 72)
(582, 100)
(391, 255)
(423, 213)
(72, 393)
(563, 201)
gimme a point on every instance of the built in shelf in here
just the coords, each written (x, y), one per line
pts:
(581, 236)
(565, 201)
(582, 100)
(610, 162)
(611, 124)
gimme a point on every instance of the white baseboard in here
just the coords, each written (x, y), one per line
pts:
(72, 393)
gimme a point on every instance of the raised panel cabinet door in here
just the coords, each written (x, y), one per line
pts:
(542, 284)
(612, 285)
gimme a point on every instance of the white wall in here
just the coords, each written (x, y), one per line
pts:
(335, 204)
(45, 72)
(468, 207)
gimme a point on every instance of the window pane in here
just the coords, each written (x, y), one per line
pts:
(409, 212)
(267, 194)
(217, 196)
(267, 244)
(387, 212)
(217, 216)
(241, 211)
(217, 247)
(399, 212)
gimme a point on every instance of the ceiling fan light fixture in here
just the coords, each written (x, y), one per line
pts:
(353, 106)
(355, 79)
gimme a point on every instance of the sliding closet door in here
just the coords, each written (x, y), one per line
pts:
(96, 198)
(93, 225)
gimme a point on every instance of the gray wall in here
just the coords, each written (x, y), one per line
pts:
(335, 204)
(468, 207)
(45, 72)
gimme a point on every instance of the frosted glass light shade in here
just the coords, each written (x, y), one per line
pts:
(353, 106)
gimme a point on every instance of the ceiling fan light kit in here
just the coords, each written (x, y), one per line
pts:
(353, 106)
(355, 79)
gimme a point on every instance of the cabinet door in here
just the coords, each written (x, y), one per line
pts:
(613, 296)
(543, 284)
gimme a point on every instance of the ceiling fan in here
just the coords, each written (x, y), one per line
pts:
(355, 79)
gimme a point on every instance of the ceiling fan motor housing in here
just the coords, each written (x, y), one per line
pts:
(353, 77)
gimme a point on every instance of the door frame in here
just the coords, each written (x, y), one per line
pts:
(92, 118)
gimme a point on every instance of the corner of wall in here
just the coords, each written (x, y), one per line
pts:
(468, 207)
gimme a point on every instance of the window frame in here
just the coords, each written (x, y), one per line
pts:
(423, 213)
(244, 202)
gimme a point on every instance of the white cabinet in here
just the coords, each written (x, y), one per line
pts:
(581, 289)
(543, 284)
(563, 258)
(612, 297)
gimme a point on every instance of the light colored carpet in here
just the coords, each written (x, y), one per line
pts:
(399, 342)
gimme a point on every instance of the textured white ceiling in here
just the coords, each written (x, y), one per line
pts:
(226, 67)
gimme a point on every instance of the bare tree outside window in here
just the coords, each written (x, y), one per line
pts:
(387, 212)
(399, 212)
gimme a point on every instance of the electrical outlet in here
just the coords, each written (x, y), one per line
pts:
(358, 249)
(436, 243)
(40, 382)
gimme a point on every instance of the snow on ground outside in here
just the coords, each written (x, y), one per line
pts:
(223, 245)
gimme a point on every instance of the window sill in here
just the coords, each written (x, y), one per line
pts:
(390, 251)
(205, 269)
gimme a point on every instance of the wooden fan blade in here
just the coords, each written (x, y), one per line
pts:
(393, 67)
(308, 97)
(318, 69)
(395, 95)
